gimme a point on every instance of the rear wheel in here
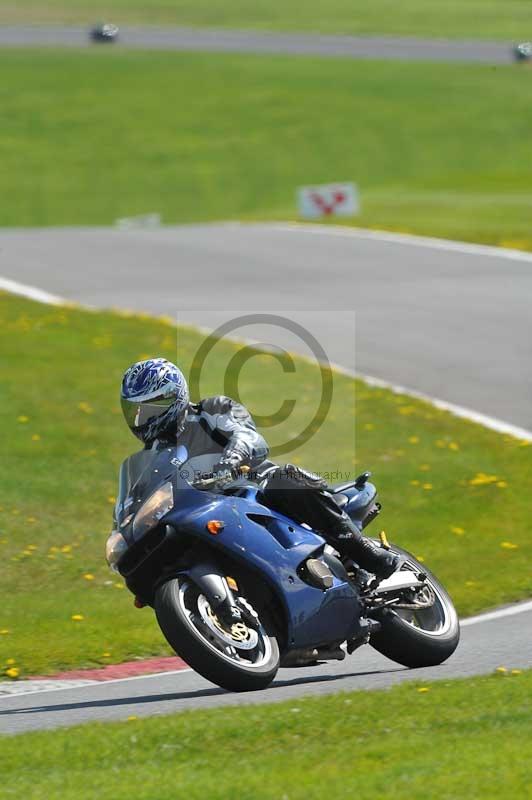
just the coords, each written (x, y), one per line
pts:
(421, 629)
(240, 656)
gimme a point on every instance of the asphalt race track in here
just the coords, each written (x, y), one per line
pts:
(484, 647)
(450, 321)
(231, 41)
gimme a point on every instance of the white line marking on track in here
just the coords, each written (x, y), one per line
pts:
(467, 248)
(87, 684)
(499, 613)
(492, 423)
(31, 292)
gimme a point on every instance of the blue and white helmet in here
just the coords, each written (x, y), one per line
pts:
(155, 399)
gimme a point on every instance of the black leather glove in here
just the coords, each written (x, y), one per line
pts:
(227, 468)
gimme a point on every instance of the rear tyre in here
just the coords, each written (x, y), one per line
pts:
(420, 637)
(242, 657)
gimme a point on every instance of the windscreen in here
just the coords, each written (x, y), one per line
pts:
(140, 475)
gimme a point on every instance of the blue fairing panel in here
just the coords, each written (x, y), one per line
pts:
(275, 546)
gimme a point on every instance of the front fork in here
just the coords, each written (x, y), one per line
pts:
(214, 586)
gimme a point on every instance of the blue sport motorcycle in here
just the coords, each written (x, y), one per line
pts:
(239, 589)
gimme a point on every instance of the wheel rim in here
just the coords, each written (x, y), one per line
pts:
(240, 644)
(434, 620)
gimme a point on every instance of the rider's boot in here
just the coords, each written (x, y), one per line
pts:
(374, 559)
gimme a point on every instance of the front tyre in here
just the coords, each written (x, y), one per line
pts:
(420, 630)
(241, 656)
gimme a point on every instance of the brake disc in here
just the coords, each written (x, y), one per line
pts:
(238, 634)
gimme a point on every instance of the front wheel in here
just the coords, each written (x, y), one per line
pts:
(421, 628)
(240, 656)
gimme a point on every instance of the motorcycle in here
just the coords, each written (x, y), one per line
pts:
(239, 589)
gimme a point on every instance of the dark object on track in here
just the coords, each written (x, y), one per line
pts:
(104, 33)
(523, 52)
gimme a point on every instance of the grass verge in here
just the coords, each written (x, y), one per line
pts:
(459, 739)
(491, 19)
(437, 149)
(453, 493)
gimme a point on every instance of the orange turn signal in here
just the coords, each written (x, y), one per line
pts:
(215, 526)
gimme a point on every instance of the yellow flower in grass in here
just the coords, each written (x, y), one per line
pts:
(89, 576)
(423, 689)
(457, 531)
(4, 631)
(482, 479)
(10, 661)
(509, 546)
(501, 670)
(106, 655)
(23, 419)
(12, 672)
(413, 439)
(118, 585)
(420, 559)
(36, 437)
(85, 407)
(427, 486)
(502, 484)
(77, 618)
(111, 500)
(516, 672)
(454, 446)
(31, 520)
(415, 482)
(66, 548)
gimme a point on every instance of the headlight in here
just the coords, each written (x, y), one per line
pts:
(115, 547)
(155, 507)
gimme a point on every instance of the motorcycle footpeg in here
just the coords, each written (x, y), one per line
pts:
(334, 654)
(300, 658)
(368, 626)
(354, 644)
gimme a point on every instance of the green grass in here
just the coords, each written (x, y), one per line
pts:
(64, 439)
(455, 740)
(436, 149)
(493, 19)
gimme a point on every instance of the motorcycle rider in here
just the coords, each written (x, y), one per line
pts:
(218, 436)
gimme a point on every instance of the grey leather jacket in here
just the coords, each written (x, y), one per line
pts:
(219, 429)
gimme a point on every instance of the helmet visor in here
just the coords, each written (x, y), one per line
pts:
(138, 413)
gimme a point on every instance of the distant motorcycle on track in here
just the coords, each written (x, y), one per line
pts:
(239, 589)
